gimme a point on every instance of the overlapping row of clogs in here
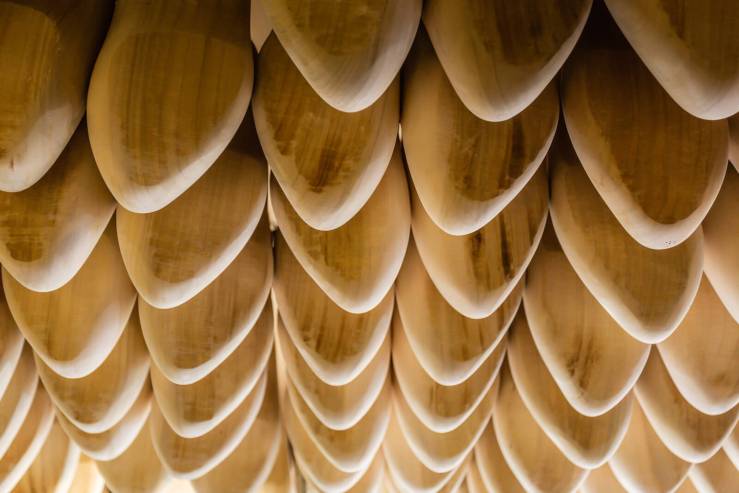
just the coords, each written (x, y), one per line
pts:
(498, 240)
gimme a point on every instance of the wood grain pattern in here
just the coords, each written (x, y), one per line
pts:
(327, 162)
(87, 478)
(337, 345)
(594, 362)
(642, 462)
(356, 264)
(688, 433)
(11, 345)
(734, 141)
(629, 135)
(74, 338)
(349, 55)
(731, 447)
(170, 87)
(646, 291)
(43, 93)
(499, 57)
(688, 47)
(53, 469)
(601, 480)
(466, 170)
(17, 399)
(282, 478)
(495, 474)
(715, 475)
(174, 253)
(48, 230)
(97, 401)
(475, 273)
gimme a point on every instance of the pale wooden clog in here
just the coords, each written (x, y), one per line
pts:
(54, 468)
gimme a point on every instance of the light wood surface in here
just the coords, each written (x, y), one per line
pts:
(54, 467)
(688, 433)
(533, 458)
(734, 141)
(282, 477)
(87, 478)
(642, 462)
(646, 291)
(97, 401)
(356, 264)
(630, 135)
(73, 338)
(48, 230)
(337, 345)
(43, 93)
(594, 362)
(701, 355)
(371, 481)
(194, 409)
(731, 447)
(473, 481)
(441, 408)
(11, 345)
(448, 346)
(500, 57)
(137, 470)
(327, 162)
(466, 170)
(475, 273)
(602, 480)
(686, 45)
(715, 475)
(721, 228)
(349, 55)
(337, 407)
(495, 474)
(189, 341)
(174, 253)
(17, 399)
(111, 443)
(168, 92)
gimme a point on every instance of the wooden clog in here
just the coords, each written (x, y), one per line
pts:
(54, 467)
(17, 399)
(356, 264)
(466, 170)
(73, 329)
(687, 432)
(687, 47)
(646, 291)
(475, 273)
(327, 162)
(174, 253)
(11, 345)
(43, 91)
(348, 55)
(97, 401)
(448, 346)
(168, 92)
(337, 345)
(499, 57)
(715, 475)
(495, 474)
(593, 361)
(48, 230)
(629, 134)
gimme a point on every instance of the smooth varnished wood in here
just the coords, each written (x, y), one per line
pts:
(466, 170)
(734, 141)
(327, 162)
(168, 92)
(97, 401)
(11, 345)
(642, 462)
(43, 91)
(356, 264)
(282, 477)
(448, 346)
(189, 341)
(337, 345)
(495, 474)
(499, 57)
(593, 361)
(716, 475)
(174, 253)
(54, 467)
(338, 407)
(701, 355)
(689, 47)
(720, 229)
(687, 432)
(586, 441)
(537, 463)
(629, 135)
(111, 443)
(473, 481)
(48, 230)
(646, 291)
(194, 409)
(87, 478)
(17, 399)
(476, 272)
(74, 328)
(349, 56)
(259, 25)
(137, 470)
(371, 481)
(731, 447)
(602, 480)
(441, 408)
